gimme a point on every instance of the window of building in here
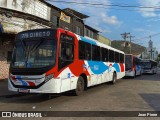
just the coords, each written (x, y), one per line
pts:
(91, 34)
(55, 21)
(78, 30)
(87, 32)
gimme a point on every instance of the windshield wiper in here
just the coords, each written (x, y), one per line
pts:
(37, 45)
(23, 44)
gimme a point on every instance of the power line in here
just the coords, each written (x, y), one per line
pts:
(153, 35)
(111, 8)
(106, 5)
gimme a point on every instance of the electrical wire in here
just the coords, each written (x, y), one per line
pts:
(142, 38)
(101, 4)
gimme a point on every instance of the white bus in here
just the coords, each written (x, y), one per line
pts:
(57, 60)
(149, 66)
(132, 66)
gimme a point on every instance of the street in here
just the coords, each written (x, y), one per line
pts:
(139, 94)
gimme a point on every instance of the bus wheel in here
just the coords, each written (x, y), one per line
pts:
(80, 86)
(114, 78)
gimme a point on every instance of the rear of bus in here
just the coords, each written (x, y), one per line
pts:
(149, 66)
(129, 66)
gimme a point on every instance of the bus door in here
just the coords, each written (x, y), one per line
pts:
(66, 57)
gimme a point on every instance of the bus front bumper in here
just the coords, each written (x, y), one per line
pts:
(129, 73)
(48, 87)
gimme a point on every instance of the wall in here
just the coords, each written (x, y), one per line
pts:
(15, 25)
(33, 7)
(74, 22)
(104, 40)
(4, 66)
(80, 24)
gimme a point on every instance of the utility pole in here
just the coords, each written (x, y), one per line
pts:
(131, 43)
(124, 36)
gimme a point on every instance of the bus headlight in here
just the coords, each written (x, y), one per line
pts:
(48, 77)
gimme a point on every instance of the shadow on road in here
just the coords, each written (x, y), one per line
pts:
(38, 98)
(153, 100)
(27, 98)
(145, 77)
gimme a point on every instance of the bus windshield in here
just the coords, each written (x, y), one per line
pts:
(146, 65)
(128, 62)
(34, 53)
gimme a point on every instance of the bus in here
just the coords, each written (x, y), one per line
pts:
(57, 60)
(149, 66)
(132, 66)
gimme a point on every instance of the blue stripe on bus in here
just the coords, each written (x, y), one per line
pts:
(88, 40)
(97, 67)
(116, 66)
(23, 82)
(138, 67)
(100, 67)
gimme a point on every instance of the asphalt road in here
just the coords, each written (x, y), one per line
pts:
(139, 94)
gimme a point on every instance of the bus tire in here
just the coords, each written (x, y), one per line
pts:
(80, 86)
(114, 78)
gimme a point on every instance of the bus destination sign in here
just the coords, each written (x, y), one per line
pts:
(35, 34)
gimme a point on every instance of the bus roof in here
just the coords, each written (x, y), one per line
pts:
(85, 39)
(96, 42)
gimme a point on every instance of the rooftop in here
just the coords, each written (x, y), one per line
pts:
(76, 13)
(89, 27)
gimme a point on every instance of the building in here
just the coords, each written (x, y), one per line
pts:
(21, 15)
(90, 32)
(68, 19)
(17, 16)
(151, 50)
(104, 40)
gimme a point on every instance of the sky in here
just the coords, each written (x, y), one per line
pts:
(140, 18)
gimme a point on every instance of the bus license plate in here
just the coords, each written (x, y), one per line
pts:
(22, 90)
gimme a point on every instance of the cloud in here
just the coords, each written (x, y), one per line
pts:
(145, 32)
(149, 12)
(112, 20)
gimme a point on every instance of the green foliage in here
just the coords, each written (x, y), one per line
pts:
(136, 49)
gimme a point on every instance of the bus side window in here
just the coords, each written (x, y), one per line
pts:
(66, 52)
